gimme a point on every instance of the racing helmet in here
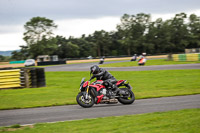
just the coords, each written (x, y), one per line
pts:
(94, 69)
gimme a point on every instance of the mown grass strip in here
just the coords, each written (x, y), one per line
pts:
(62, 87)
(182, 121)
(148, 63)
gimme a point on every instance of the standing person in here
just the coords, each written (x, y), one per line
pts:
(142, 60)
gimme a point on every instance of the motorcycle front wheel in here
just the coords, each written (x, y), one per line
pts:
(86, 103)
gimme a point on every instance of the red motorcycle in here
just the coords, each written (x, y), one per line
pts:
(96, 93)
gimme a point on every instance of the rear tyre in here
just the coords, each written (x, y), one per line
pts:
(85, 103)
(127, 99)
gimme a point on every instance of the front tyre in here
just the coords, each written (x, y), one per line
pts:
(127, 99)
(85, 103)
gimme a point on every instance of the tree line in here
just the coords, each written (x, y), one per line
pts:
(134, 35)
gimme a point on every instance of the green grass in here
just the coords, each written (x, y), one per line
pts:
(62, 87)
(148, 63)
(182, 121)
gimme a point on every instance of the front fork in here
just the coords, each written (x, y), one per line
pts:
(87, 91)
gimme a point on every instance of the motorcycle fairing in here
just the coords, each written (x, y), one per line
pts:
(120, 82)
(98, 86)
(97, 82)
(85, 84)
(99, 98)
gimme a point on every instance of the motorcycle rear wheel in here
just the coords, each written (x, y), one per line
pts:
(127, 100)
(84, 102)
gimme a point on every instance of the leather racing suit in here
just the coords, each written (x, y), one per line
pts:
(109, 80)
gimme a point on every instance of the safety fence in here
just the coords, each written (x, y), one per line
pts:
(22, 78)
(186, 57)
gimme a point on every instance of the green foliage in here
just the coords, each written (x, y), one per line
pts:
(62, 87)
(134, 35)
(132, 30)
(2, 58)
(43, 47)
(38, 36)
(37, 29)
(181, 121)
(66, 48)
(5, 58)
(194, 36)
(22, 54)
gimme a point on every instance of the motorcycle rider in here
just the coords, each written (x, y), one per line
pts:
(134, 58)
(101, 74)
(142, 60)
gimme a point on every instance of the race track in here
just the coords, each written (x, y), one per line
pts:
(86, 67)
(75, 112)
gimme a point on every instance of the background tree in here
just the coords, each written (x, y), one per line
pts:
(43, 47)
(132, 31)
(179, 32)
(134, 35)
(38, 28)
(38, 36)
(194, 31)
(22, 54)
(86, 47)
(66, 47)
(2, 58)
(100, 38)
(158, 37)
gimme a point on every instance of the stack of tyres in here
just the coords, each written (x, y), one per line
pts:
(40, 77)
(36, 77)
(22, 78)
(10, 78)
(33, 77)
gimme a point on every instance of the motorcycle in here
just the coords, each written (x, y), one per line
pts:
(96, 93)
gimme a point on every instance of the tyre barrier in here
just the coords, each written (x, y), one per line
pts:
(22, 78)
(186, 57)
(10, 78)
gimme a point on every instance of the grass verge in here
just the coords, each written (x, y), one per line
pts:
(182, 121)
(148, 63)
(62, 87)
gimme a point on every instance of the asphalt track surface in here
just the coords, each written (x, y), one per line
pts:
(75, 112)
(86, 67)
